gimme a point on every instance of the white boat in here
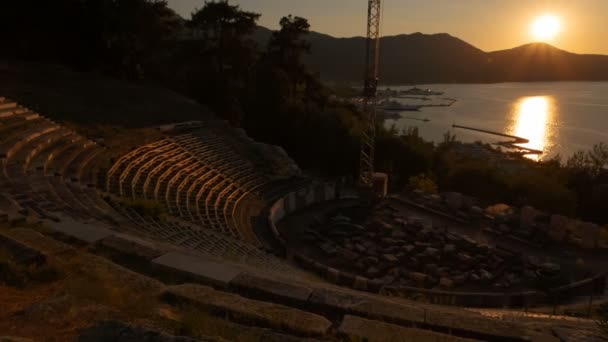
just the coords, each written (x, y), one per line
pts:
(395, 106)
(420, 92)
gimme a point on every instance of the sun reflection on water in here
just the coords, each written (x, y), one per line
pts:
(532, 118)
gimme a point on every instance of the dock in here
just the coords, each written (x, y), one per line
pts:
(509, 144)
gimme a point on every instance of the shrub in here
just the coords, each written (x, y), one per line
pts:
(423, 183)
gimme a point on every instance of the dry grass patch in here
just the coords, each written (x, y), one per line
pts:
(85, 289)
(89, 289)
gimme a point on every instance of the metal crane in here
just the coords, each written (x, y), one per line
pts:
(372, 54)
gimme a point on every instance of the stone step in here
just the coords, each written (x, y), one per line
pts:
(8, 105)
(119, 331)
(275, 316)
(361, 329)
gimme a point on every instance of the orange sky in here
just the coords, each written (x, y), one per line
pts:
(488, 24)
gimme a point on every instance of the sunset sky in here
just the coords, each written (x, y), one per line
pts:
(488, 24)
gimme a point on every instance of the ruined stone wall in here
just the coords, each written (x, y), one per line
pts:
(319, 193)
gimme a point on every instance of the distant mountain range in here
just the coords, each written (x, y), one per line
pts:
(440, 58)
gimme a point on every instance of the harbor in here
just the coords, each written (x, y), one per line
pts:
(514, 144)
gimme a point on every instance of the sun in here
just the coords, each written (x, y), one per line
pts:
(546, 28)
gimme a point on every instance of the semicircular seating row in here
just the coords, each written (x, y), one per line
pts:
(199, 178)
(49, 172)
(42, 162)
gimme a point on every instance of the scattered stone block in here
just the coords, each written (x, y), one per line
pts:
(485, 275)
(446, 283)
(499, 210)
(464, 258)
(390, 258)
(431, 252)
(589, 235)
(21, 254)
(558, 227)
(454, 200)
(476, 211)
(528, 216)
(418, 278)
(38, 241)
(449, 249)
(409, 249)
(17, 220)
(271, 288)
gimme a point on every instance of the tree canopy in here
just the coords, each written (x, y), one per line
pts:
(268, 90)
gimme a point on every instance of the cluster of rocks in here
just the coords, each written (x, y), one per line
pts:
(559, 228)
(526, 224)
(401, 251)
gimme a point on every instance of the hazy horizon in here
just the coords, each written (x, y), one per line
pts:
(496, 25)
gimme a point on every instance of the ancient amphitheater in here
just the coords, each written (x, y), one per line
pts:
(201, 202)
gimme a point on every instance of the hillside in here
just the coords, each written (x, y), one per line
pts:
(422, 58)
(88, 98)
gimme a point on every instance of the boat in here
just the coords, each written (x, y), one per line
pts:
(388, 92)
(389, 115)
(395, 106)
(420, 92)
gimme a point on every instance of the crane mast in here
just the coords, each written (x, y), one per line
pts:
(372, 54)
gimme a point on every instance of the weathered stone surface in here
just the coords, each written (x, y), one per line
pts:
(431, 269)
(499, 210)
(528, 217)
(81, 232)
(270, 287)
(361, 329)
(3, 217)
(446, 283)
(603, 238)
(474, 323)
(14, 339)
(132, 246)
(205, 270)
(121, 332)
(558, 227)
(267, 314)
(449, 249)
(419, 278)
(569, 334)
(589, 233)
(454, 200)
(372, 272)
(390, 311)
(477, 211)
(431, 252)
(36, 240)
(20, 253)
(390, 258)
(367, 305)
(485, 275)
(409, 249)
(465, 258)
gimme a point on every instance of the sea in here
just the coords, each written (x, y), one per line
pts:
(558, 118)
